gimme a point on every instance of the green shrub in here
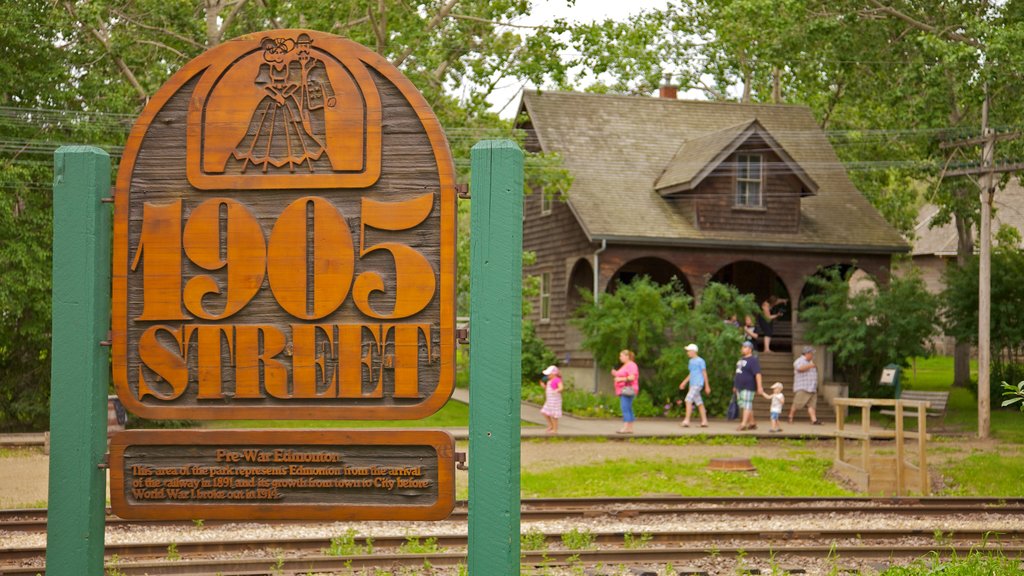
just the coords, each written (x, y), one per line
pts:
(536, 356)
(656, 321)
(870, 329)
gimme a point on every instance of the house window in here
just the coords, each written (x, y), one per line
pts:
(545, 296)
(748, 180)
(545, 202)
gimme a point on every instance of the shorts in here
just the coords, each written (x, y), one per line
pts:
(694, 395)
(745, 399)
(804, 398)
(775, 416)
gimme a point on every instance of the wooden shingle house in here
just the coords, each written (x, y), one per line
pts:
(752, 195)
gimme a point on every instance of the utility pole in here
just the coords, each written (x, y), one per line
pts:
(985, 274)
(986, 183)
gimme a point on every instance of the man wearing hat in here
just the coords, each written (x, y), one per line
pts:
(805, 385)
(698, 380)
(746, 383)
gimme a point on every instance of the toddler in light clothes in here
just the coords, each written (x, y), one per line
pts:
(552, 409)
(778, 399)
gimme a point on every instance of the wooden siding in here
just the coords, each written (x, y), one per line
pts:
(715, 197)
(559, 241)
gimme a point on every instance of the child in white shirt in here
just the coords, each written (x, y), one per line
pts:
(778, 399)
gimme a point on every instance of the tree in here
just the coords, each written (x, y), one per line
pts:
(656, 321)
(867, 330)
(79, 71)
(960, 311)
(890, 79)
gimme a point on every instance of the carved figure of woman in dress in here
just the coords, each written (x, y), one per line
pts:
(278, 135)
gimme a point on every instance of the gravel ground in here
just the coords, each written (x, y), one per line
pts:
(668, 523)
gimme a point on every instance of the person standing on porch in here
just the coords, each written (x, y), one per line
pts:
(698, 380)
(805, 385)
(767, 318)
(627, 386)
(746, 383)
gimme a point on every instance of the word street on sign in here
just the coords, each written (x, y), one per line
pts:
(315, 475)
(284, 239)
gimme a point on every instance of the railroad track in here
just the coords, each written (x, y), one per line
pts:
(305, 564)
(34, 520)
(661, 539)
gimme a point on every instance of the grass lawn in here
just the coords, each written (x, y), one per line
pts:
(775, 477)
(454, 414)
(936, 373)
(987, 474)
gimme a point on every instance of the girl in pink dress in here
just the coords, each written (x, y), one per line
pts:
(552, 409)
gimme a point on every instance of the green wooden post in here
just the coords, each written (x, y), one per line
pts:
(495, 323)
(79, 363)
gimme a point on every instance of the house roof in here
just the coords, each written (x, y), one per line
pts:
(699, 156)
(942, 240)
(618, 147)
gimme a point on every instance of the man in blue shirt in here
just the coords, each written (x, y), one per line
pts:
(746, 383)
(698, 379)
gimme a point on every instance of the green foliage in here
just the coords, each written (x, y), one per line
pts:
(577, 539)
(1014, 394)
(656, 322)
(413, 545)
(536, 356)
(346, 545)
(533, 539)
(872, 328)
(960, 305)
(172, 552)
(976, 563)
(632, 542)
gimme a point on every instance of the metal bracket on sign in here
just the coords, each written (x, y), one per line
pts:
(460, 461)
(462, 336)
(108, 341)
(462, 190)
(105, 462)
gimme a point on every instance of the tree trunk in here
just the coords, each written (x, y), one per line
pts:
(964, 251)
(776, 85)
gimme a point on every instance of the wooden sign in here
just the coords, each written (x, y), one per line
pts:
(284, 239)
(282, 474)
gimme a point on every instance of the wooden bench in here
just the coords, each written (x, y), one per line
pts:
(937, 401)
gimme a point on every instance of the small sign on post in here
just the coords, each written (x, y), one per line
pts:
(282, 474)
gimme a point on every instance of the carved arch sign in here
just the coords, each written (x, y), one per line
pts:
(284, 239)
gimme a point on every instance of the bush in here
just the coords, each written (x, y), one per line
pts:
(536, 356)
(870, 329)
(656, 321)
(960, 311)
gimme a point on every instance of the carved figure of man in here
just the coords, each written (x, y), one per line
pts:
(315, 87)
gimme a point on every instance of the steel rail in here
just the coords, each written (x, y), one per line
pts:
(157, 550)
(530, 559)
(33, 520)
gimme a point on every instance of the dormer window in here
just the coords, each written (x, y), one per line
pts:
(748, 181)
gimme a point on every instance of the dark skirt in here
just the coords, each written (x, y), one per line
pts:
(764, 326)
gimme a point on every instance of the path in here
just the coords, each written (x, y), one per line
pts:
(572, 426)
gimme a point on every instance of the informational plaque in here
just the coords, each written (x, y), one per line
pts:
(284, 239)
(282, 474)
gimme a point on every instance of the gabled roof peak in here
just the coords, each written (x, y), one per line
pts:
(699, 156)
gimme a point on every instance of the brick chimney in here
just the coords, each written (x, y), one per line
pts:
(668, 91)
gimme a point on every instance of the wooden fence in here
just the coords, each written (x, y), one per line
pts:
(874, 471)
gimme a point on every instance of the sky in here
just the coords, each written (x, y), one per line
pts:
(505, 98)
